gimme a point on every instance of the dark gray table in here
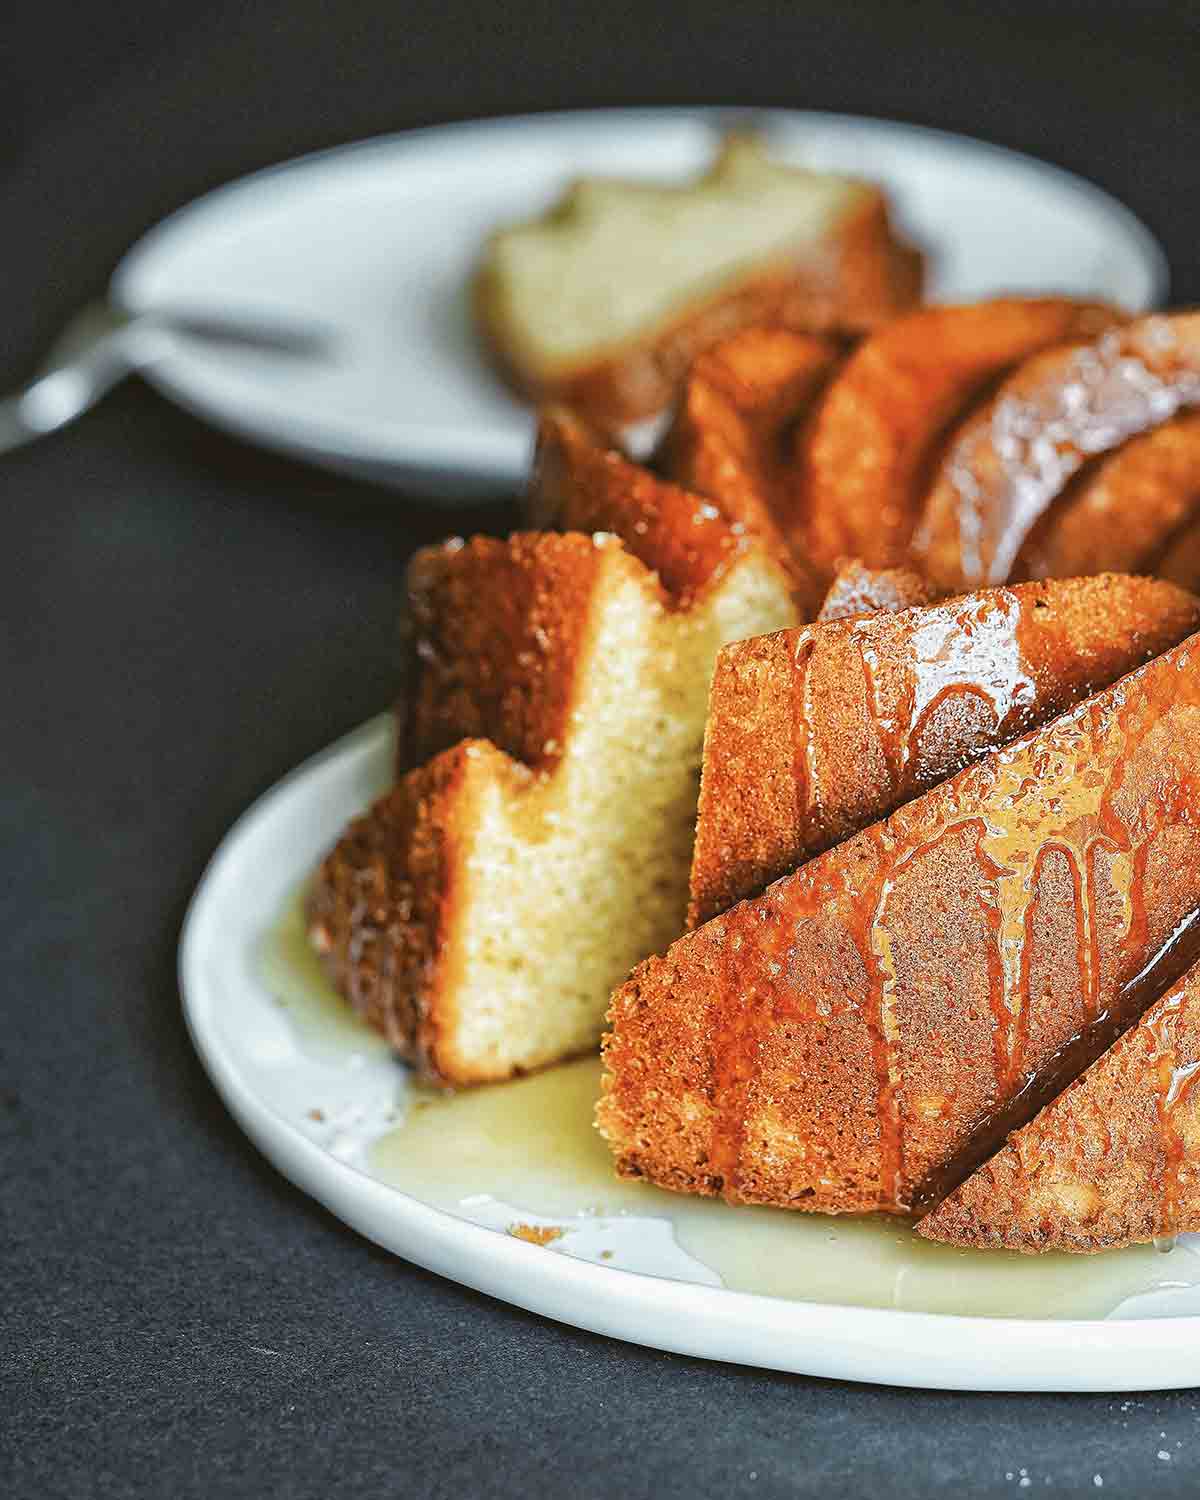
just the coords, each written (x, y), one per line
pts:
(185, 618)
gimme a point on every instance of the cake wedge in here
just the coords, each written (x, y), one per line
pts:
(863, 464)
(859, 590)
(1113, 1161)
(1011, 461)
(733, 428)
(860, 1035)
(814, 733)
(481, 912)
(582, 481)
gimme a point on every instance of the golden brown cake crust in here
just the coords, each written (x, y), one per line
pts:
(491, 701)
(730, 437)
(1014, 457)
(382, 907)
(861, 277)
(1179, 560)
(1113, 1161)
(862, 466)
(1126, 509)
(847, 1040)
(496, 630)
(582, 483)
(814, 733)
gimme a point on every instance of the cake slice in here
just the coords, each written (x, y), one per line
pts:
(1013, 459)
(858, 1036)
(1126, 509)
(814, 733)
(859, 590)
(863, 467)
(1113, 1161)
(582, 481)
(480, 914)
(605, 300)
(732, 432)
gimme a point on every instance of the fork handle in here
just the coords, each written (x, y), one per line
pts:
(60, 396)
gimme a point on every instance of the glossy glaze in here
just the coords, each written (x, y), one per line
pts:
(1006, 471)
(968, 649)
(1060, 795)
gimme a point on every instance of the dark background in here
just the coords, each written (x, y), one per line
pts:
(186, 618)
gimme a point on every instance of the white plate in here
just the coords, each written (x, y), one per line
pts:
(377, 240)
(321, 1102)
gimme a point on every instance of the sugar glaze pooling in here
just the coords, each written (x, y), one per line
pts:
(527, 1152)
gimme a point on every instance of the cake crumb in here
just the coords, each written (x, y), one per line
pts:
(318, 1115)
(606, 1255)
(535, 1234)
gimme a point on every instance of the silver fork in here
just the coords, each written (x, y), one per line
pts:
(105, 343)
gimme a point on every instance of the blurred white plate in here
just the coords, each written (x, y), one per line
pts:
(378, 240)
(324, 1100)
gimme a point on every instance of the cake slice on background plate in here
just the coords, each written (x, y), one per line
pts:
(604, 301)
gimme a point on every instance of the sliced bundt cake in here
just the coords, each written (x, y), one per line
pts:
(859, 1035)
(1011, 462)
(814, 733)
(863, 466)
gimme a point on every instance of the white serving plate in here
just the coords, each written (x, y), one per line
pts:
(322, 1102)
(377, 241)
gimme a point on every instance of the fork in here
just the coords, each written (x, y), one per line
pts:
(105, 343)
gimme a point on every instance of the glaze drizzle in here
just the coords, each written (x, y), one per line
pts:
(1096, 791)
(1006, 470)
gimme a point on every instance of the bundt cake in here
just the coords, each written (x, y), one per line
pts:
(863, 464)
(604, 301)
(860, 1035)
(1013, 459)
(1114, 1160)
(813, 733)
(480, 913)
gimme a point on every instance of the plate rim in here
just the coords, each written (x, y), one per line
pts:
(419, 449)
(830, 1340)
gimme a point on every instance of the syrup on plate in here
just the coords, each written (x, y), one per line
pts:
(526, 1153)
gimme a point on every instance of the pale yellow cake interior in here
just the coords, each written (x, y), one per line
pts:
(573, 879)
(616, 260)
